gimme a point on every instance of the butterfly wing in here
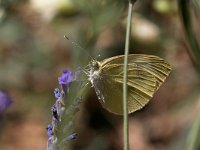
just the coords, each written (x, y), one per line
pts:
(152, 64)
(145, 75)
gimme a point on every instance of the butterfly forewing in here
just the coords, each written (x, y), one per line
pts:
(145, 75)
(153, 64)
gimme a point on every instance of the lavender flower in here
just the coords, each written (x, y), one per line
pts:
(59, 109)
(54, 111)
(65, 79)
(72, 136)
(57, 93)
(51, 143)
(5, 101)
(50, 130)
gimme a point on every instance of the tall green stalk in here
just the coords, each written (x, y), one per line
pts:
(125, 92)
(192, 142)
(185, 8)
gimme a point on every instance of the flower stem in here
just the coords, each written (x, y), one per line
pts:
(185, 12)
(125, 92)
(192, 142)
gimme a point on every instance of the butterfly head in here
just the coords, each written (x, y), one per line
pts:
(94, 70)
(94, 65)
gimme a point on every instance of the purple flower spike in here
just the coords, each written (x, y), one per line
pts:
(65, 79)
(54, 111)
(57, 93)
(71, 136)
(50, 144)
(55, 122)
(59, 109)
(5, 101)
(50, 130)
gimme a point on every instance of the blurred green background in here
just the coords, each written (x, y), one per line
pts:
(33, 53)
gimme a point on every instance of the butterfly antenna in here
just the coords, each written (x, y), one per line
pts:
(99, 55)
(86, 84)
(78, 45)
(85, 70)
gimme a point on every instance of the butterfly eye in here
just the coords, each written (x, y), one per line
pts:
(95, 65)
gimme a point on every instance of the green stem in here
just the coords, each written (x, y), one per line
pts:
(184, 7)
(192, 142)
(125, 92)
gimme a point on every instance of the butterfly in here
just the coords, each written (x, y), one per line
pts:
(145, 75)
